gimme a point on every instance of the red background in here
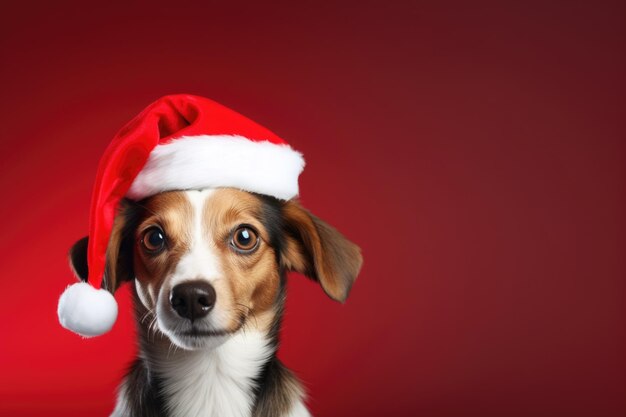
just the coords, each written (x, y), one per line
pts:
(476, 152)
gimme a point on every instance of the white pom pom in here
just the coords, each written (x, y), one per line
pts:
(86, 310)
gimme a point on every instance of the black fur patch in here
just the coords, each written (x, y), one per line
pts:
(276, 390)
(143, 392)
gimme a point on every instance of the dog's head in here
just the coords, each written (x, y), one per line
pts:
(205, 262)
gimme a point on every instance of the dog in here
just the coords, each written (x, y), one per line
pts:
(208, 270)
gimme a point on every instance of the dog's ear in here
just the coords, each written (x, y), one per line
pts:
(119, 255)
(318, 251)
(78, 258)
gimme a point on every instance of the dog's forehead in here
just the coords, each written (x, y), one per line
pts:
(214, 206)
(164, 205)
(227, 205)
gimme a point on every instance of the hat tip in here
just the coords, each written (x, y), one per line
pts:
(86, 310)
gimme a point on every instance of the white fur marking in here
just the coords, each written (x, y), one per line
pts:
(201, 262)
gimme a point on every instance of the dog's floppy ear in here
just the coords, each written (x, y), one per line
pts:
(78, 258)
(119, 255)
(317, 250)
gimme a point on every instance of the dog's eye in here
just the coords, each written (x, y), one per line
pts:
(153, 240)
(245, 239)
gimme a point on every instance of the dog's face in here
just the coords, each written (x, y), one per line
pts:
(203, 261)
(206, 263)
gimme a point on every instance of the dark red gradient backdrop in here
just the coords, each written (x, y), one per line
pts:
(476, 153)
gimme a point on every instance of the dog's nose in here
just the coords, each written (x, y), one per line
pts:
(193, 300)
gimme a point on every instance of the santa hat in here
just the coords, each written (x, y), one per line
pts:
(179, 142)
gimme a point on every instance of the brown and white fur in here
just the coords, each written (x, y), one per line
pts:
(223, 364)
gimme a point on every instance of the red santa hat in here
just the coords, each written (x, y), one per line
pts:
(179, 142)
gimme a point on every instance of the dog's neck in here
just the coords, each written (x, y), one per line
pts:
(240, 377)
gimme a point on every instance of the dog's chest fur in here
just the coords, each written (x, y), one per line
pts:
(219, 382)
